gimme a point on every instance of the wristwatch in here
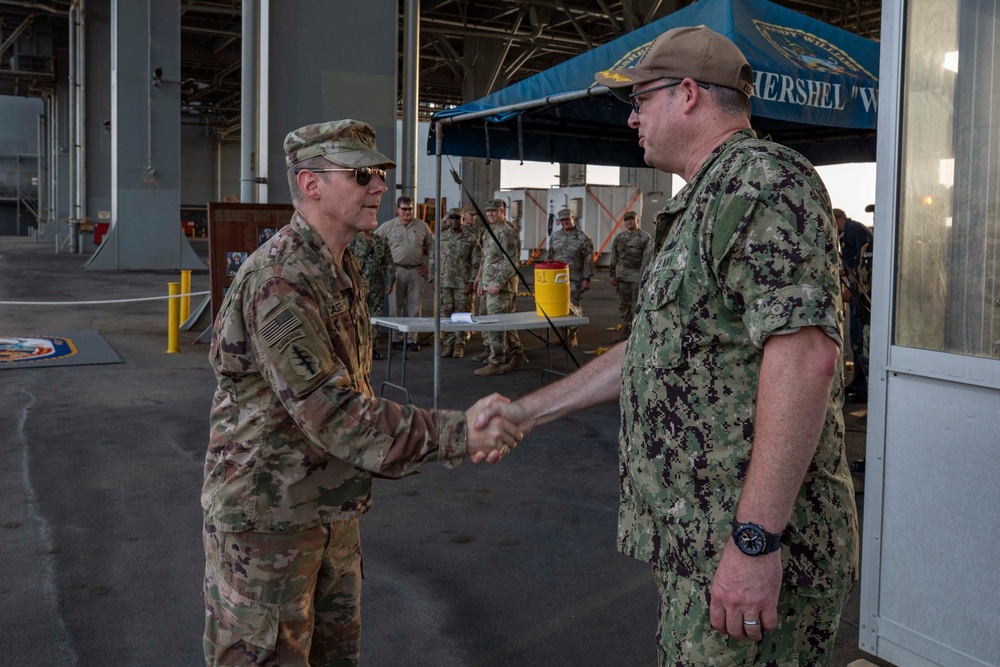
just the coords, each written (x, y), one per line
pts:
(753, 540)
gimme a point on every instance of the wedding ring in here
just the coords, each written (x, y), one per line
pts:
(751, 624)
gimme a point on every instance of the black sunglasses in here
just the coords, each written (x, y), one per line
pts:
(454, 217)
(363, 175)
(636, 104)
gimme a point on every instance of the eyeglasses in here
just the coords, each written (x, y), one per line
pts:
(363, 175)
(636, 104)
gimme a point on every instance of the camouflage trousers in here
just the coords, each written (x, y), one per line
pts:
(283, 599)
(807, 626)
(454, 300)
(502, 344)
(628, 293)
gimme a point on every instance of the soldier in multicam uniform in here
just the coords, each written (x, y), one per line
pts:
(496, 282)
(629, 251)
(296, 430)
(460, 253)
(735, 484)
(375, 261)
(573, 246)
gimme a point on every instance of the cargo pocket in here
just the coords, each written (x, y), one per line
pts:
(237, 618)
(656, 327)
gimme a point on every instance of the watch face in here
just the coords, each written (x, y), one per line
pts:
(750, 540)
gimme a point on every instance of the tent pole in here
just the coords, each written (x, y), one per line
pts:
(439, 137)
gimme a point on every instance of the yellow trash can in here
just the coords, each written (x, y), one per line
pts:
(552, 289)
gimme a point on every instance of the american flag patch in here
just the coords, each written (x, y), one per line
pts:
(275, 329)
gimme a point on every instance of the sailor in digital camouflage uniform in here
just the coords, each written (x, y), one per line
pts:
(296, 430)
(734, 481)
(575, 247)
(629, 252)
(375, 261)
(497, 284)
(460, 253)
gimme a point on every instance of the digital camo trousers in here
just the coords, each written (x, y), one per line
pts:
(807, 627)
(283, 599)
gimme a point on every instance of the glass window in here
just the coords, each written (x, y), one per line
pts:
(948, 271)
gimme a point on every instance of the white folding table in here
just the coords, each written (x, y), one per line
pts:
(505, 322)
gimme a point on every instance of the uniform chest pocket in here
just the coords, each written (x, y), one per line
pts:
(656, 328)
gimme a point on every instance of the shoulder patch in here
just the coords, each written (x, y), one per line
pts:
(276, 329)
(303, 361)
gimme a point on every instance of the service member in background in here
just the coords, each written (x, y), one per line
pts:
(573, 246)
(853, 238)
(629, 252)
(734, 480)
(496, 282)
(460, 253)
(411, 242)
(375, 261)
(296, 430)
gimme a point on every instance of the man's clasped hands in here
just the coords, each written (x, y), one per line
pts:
(495, 427)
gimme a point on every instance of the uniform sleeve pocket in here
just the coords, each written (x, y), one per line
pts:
(656, 327)
(237, 617)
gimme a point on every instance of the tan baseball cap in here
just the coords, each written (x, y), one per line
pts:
(696, 52)
(348, 143)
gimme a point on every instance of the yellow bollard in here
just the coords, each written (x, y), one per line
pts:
(173, 317)
(186, 295)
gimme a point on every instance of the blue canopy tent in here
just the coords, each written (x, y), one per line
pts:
(815, 89)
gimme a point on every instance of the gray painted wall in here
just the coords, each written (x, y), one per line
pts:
(18, 136)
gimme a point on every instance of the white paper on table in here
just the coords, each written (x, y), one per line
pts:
(467, 318)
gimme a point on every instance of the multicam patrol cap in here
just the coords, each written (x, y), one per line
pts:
(630, 214)
(495, 205)
(564, 213)
(696, 52)
(348, 143)
(454, 212)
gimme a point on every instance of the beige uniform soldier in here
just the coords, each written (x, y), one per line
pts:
(497, 284)
(573, 246)
(460, 256)
(734, 480)
(411, 242)
(629, 252)
(296, 430)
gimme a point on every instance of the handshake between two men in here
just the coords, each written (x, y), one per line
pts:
(495, 427)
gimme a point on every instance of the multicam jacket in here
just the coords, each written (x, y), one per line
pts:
(628, 251)
(576, 249)
(495, 269)
(296, 430)
(375, 262)
(751, 252)
(460, 256)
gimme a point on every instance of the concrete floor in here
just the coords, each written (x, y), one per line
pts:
(100, 473)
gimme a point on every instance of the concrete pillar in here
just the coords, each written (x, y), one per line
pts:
(97, 102)
(145, 141)
(308, 77)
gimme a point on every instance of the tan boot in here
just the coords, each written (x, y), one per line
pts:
(447, 350)
(490, 369)
(482, 356)
(458, 352)
(515, 362)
